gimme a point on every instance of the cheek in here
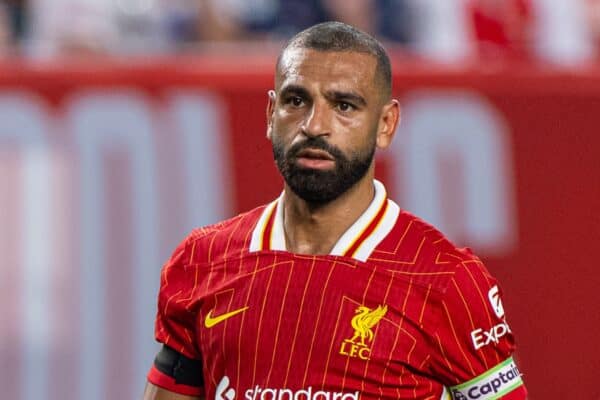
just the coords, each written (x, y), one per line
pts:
(359, 133)
(284, 123)
(286, 129)
(280, 138)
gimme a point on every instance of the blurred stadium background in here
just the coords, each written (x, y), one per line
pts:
(126, 123)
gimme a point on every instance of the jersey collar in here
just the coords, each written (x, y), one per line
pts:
(357, 242)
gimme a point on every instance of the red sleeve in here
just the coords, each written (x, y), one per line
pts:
(176, 321)
(474, 343)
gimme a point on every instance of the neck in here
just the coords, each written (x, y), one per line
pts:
(311, 229)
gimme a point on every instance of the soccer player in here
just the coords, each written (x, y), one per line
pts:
(331, 291)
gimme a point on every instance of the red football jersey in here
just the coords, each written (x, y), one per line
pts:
(394, 312)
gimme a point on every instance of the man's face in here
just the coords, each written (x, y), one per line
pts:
(323, 121)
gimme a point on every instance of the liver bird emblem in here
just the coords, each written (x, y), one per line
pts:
(364, 320)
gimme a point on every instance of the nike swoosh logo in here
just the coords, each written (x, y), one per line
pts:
(211, 321)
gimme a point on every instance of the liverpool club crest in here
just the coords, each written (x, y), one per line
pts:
(358, 346)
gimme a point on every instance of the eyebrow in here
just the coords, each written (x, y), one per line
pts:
(294, 89)
(350, 97)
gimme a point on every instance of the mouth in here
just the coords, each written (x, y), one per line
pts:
(315, 159)
(315, 154)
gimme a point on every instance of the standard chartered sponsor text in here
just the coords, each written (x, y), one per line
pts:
(258, 393)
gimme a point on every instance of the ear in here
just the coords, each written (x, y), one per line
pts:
(272, 98)
(388, 121)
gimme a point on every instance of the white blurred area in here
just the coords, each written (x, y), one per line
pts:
(557, 32)
(97, 26)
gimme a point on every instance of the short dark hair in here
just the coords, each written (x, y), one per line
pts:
(337, 36)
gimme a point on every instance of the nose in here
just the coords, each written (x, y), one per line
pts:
(317, 121)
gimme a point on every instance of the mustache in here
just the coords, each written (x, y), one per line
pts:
(315, 143)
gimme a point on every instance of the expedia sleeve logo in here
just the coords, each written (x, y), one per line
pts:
(494, 298)
(482, 337)
(493, 384)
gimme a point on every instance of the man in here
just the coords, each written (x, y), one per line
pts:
(330, 291)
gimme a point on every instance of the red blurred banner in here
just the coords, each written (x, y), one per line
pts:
(104, 167)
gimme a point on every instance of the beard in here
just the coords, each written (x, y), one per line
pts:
(322, 186)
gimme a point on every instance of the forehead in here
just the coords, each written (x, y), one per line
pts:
(346, 70)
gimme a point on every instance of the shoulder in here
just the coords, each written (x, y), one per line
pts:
(422, 253)
(223, 239)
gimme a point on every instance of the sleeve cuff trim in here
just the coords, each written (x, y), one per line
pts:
(166, 382)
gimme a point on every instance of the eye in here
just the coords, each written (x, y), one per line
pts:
(343, 106)
(296, 101)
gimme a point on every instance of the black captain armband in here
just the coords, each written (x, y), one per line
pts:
(184, 370)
